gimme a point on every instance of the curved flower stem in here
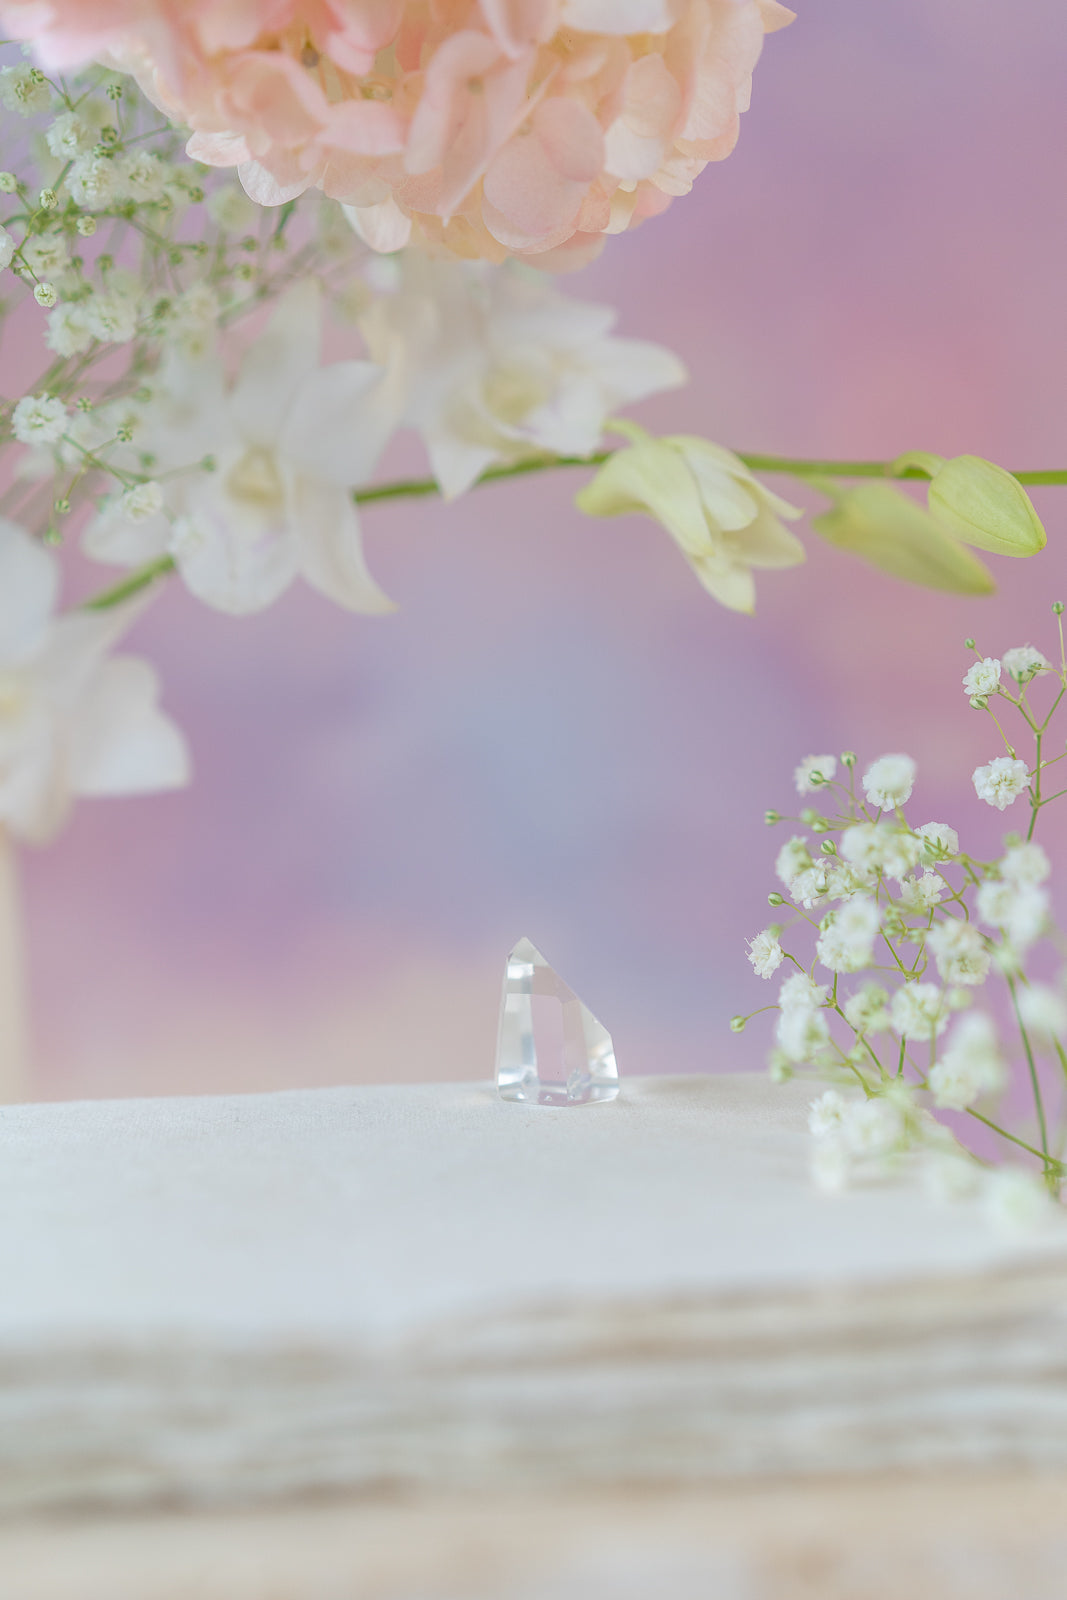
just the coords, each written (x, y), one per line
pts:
(423, 488)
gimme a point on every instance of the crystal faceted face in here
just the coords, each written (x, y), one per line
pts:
(551, 1050)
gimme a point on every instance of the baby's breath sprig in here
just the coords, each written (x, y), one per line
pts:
(931, 928)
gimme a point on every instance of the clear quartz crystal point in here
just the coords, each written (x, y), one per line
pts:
(551, 1050)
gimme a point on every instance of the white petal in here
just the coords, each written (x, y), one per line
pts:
(232, 559)
(121, 743)
(331, 549)
(282, 357)
(29, 586)
(340, 422)
(456, 462)
(112, 538)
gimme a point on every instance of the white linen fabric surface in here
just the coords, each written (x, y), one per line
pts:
(232, 1298)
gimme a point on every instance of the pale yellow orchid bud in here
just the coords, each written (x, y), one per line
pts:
(883, 526)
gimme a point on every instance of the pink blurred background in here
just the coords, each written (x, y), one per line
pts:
(560, 734)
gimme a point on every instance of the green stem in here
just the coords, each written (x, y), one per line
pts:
(142, 578)
(422, 488)
(1039, 1104)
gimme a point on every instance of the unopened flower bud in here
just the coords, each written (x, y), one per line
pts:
(980, 702)
(775, 899)
(8, 183)
(969, 644)
(820, 825)
(985, 506)
(1057, 608)
(770, 818)
(46, 295)
(86, 227)
(48, 199)
(737, 1024)
(848, 758)
(828, 847)
(809, 816)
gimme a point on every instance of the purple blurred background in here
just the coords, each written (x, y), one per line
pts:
(560, 734)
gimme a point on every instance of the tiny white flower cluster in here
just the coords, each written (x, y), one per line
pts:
(928, 925)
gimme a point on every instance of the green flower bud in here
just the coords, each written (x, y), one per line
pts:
(881, 525)
(1057, 608)
(828, 847)
(737, 1024)
(848, 758)
(980, 702)
(985, 506)
(770, 818)
(775, 899)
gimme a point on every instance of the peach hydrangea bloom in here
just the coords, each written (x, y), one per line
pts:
(481, 128)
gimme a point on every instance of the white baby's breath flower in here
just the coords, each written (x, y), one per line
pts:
(873, 1128)
(39, 419)
(46, 295)
(951, 1175)
(1016, 1201)
(802, 1033)
(939, 840)
(24, 89)
(961, 952)
(46, 254)
(1021, 910)
(888, 782)
(813, 772)
(234, 212)
(969, 1066)
(921, 894)
(793, 858)
(765, 953)
(983, 677)
(868, 1010)
(918, 1011)
(94, 182)
(143, 501)
(68, 333)
(7, 249)
(826, 1114)
(111, 314)
(142, 175)
(72, 134)
(1043, 1009)
(812, 884)
(1024, 662)
(1001, 781)
(880, 847)
(847, 935)
(799, 990)
(1025, 863)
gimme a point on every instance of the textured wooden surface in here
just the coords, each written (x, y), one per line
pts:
(916, 1538)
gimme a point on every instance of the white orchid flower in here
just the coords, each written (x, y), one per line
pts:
(289, 440)
(72, 721)
(496, 366)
